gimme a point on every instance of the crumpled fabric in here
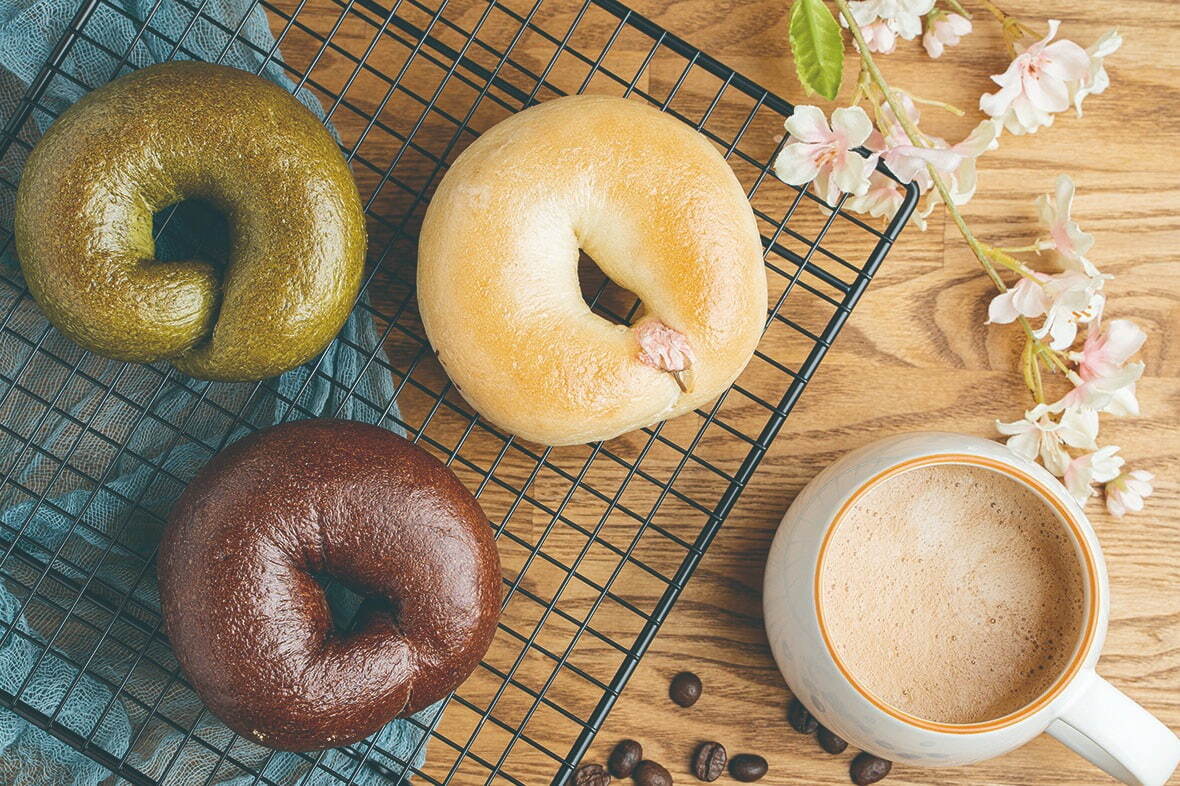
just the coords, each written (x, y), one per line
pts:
(93, 453)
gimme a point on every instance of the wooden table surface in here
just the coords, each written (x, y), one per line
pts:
(917, 355)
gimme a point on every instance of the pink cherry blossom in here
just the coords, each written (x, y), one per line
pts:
(1113, 393)
(1097, 80)
(1075, 299)
(1106, 350)
(879, 36)
(1027, 298)
(1036, 83)
(1123, 402)
(882, 200)
(1037, 434)
(1084, 471)
(943, 30)
(815, 151)
(901, 18)
(1065, 237)
(662, 347)
(956, 163)
(1127, 492)
(1066, 299)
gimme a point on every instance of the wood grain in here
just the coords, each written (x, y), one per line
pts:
(916, 354)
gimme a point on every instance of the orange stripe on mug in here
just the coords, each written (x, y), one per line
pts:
(1082, 647)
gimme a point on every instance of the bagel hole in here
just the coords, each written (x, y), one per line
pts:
(192, 229)
(350, 608)
(604, 297)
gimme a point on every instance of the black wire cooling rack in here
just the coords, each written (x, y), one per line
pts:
(597, 541)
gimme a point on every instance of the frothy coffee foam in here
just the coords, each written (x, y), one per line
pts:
(953, 593)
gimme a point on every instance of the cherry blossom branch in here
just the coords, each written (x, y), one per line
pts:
(1031, 248)
(1043, 79)
(954, 110)
(958, 8)
(1014, 29)
(917, 138)
(1036, 348)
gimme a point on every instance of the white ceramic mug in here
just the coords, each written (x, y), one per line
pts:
(1081, 709)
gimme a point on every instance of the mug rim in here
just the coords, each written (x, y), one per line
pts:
(1082, 647)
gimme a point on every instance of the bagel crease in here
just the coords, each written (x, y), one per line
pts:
(176, 131)
(661, 213)
(248, 621)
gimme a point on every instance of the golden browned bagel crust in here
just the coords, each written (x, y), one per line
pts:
(658, 209)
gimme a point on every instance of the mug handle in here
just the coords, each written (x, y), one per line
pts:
(1117, 735)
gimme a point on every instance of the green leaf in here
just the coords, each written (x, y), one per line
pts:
(818, 47)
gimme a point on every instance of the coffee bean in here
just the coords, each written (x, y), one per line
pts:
(829, 740)
(867, 768)
(624, 757)
(649, 773)
(800, 718)
(685, 689)
(709, 761)
(747, 767)
(591, 775)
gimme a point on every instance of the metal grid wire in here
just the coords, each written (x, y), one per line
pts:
(596, 541)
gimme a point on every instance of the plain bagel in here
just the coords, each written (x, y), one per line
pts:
(248, 620)
(656, 207)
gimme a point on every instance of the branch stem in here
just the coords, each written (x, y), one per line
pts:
(916, 138)
(958, 8)
(982, 252)
(1014, 29)
(1033, 248)
(954, 110)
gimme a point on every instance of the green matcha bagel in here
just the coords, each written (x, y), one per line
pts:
(189, 130)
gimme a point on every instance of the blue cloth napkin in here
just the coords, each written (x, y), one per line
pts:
(97, 520)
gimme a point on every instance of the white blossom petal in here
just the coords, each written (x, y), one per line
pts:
(1098, 393)
(1015, 427)
(1098, 467)
(1053, 455)
(1079, 427)
(1041, 80)
(808, 124)
(1066, 61)
(981, 139)
(796, 164)
(853, 123)
(1097, 80)
(1026, 445)
(851, 173)
(1123, 403)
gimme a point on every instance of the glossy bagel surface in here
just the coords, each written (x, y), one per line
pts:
(657, 208)
(248, 619)
(173, 132)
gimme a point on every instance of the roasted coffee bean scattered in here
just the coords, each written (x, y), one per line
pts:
(829, 740)
(624, 757)
(591, 775)
(747, 767)
(709, 761)
(867, 768)
(685, 689)
(800, 718)
(649, 773)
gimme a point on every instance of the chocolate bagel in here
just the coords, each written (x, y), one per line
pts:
(248, 620)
